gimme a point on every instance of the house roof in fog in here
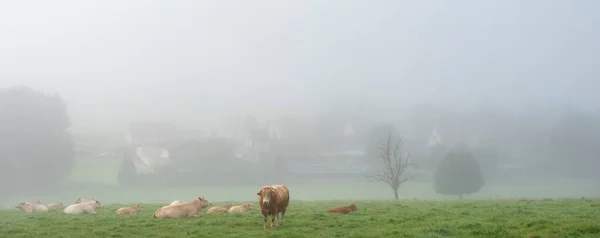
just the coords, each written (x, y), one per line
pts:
(349, 129)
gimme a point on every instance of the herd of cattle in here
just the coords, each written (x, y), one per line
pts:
(273, 201)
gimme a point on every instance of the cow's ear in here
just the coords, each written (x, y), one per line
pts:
(258, 193)
(200, 198)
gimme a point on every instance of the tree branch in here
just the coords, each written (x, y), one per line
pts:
(394, 163)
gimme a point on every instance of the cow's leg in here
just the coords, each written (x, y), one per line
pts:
(283, 214)
(279, 218)
(276, 217)
(265, 217)
(273, 220)
(193, 214)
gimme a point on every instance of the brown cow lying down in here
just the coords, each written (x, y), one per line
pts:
(186, 209)
(219, 209)
(242, 208)
(273, 200)
(343, 210)
(31, 207)
(54, 206)
(129, 210)
(83, 208)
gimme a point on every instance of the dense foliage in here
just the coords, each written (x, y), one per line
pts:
(458, 174)
(36, 147)
(195, 162)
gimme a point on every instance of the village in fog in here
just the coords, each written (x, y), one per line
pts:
(509, 146)
(299, 118)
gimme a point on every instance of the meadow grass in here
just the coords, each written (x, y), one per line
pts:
(404, 218)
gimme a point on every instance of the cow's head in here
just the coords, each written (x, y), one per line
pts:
(98, 203)
(20, 205)
(203, 202)
(137, 208)
(248, 206)
(352, 206)
(228, 206)
(266, 195)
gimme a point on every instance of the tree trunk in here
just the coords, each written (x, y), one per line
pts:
(396, 194)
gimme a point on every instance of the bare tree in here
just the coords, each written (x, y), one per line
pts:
(394, 164)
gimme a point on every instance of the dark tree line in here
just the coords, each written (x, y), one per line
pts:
(196, 162)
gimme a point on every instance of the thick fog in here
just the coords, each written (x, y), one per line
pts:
(513, 70)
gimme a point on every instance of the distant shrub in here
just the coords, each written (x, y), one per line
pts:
(210, 161)
(458, 174)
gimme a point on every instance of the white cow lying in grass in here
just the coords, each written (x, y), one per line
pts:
(31, 206)
(83, 208)
(82, 200)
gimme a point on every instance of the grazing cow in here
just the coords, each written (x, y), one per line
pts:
(31, 207)
(83, 208)
(186, 209)
(343, 210)
(273, 200)
(219, 209)
(243, 208)
(129, 210)
(54, 206)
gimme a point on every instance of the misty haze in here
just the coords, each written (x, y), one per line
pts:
(345, 102)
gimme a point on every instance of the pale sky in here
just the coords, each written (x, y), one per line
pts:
(194, 61)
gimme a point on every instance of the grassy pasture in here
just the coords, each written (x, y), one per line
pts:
(408, 218)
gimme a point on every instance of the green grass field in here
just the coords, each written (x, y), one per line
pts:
(497, 218)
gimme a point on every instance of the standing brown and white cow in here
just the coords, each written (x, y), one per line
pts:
(273, 200)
